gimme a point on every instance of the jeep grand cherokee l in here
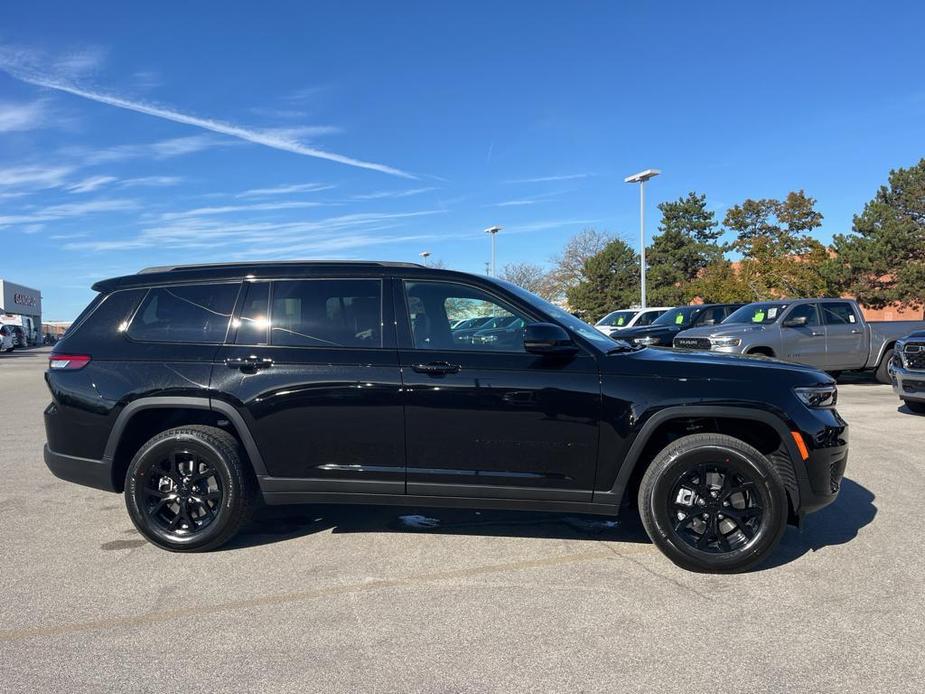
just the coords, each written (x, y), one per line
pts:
(197, 390)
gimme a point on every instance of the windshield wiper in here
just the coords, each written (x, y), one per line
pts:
(623, 346)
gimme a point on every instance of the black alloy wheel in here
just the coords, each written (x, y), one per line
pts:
(188, 489)
(713, 503)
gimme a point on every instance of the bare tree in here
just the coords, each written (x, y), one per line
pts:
(531, 277)
(568, 266)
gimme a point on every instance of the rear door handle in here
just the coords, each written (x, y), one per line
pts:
(251, 363)
(815, 334)
(855, 332)
(437, 368)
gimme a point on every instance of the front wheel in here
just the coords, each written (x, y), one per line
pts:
(712, 503)
(882, 374)
(187, 489)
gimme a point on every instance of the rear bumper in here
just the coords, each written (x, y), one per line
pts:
(85, 471)
(908, 385)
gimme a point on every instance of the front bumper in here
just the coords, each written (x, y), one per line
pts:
(819, 477)
(85, 471)
(907, 384)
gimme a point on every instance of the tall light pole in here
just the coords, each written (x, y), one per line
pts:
(491, 231)
(641, 179)
(424, 255)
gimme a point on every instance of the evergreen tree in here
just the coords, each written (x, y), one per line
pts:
(685, 245)
(609, 281)
(884, 260)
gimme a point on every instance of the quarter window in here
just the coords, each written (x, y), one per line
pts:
(327, 313)
(191, 313)
(435, 306)
(837, 313)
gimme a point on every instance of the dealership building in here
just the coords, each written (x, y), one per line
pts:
(21, 306)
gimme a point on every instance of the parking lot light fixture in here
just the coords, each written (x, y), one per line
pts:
(641, 179)
(425, 255)
(492, 231)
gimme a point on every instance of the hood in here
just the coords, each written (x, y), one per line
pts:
(686, 365)
(665, 333)
(724, 330)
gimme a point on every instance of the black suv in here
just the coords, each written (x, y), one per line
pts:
(199, 390)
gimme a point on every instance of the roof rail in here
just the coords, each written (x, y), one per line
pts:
(265, 263)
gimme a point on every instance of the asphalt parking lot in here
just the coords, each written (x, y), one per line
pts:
(352, 599)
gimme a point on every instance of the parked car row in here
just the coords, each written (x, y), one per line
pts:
(830, 334)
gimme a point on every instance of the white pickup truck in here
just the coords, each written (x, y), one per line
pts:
(830, 334)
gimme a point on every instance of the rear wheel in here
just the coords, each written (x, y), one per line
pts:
(714, 504)
(882, 374)
(188, 490)
(918, 407)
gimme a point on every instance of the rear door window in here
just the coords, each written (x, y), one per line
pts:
(838, 313)
(327, 313)
(196, 313)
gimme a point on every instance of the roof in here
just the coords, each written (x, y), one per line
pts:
(276, 269)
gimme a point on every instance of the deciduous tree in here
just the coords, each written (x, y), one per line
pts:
(609, 280)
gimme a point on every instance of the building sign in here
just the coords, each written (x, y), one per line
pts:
(17, 299)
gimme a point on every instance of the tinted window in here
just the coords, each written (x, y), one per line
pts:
(327, 313)
(711, 316)
(192, 313)
(617, 319)
(111, 312)
(838, 314)
(253, 324)
(434, 306)
(763, 313)
(807, 311)
(648, 318)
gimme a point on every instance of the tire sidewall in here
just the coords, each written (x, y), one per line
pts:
(156, 450)
(769, 489)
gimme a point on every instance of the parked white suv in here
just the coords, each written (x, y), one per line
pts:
(629, 318)
(6, 339)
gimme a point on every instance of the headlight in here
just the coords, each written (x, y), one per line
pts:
(646, 340)
(725, 341)
(818, 396)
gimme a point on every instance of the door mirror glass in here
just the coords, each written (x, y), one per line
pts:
(548, 338)
(796, 322)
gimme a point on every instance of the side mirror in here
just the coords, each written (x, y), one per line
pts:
(548, 338)
(798, 322)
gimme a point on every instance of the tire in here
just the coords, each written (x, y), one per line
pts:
(917, 407)
(741, 495)
(188, 489)
(834, 374)
(882, 374)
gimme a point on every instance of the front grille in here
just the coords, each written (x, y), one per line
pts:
(914, 354)
(692, 342)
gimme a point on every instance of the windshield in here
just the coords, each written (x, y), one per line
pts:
(567, 319)
(677, 316)
(762, 314)
(617, 319)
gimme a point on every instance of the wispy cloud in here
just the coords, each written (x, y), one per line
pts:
(34, 176)
(23, 116)
(20, 66)
(227, 209)
(90, 184)
(158, 150)
(255, 237)
(151, 182)
(56, 212)
(546, 179)
(533, 200)
(285, 190)
(383, 194)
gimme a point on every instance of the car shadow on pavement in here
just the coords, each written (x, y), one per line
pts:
(278, 523)
(904, 409)
(836, 524)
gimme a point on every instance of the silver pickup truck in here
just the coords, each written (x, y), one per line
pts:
(830, 334)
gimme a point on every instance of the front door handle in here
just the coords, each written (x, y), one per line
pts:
(251, 363)
(855, 332)
(437, 368)
(815, 334)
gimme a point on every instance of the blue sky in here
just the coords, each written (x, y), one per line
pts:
(137, 134)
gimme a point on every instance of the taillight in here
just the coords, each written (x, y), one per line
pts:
(68, 361)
